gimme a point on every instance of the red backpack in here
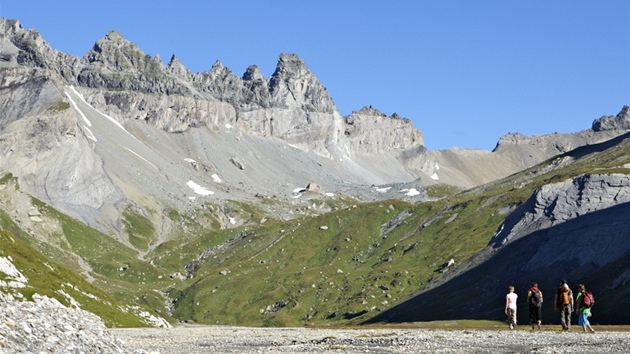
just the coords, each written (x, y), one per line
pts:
(588, 300)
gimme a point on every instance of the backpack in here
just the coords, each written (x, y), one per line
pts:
(588, 300)
(535, 299)
(563, 297)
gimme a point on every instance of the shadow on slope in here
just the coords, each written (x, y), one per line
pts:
(593, 249)
(589, 149)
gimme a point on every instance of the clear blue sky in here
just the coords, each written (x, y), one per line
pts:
(465, 72)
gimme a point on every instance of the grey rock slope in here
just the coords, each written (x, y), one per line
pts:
(514, 152)
(118, 129)
(575, 230)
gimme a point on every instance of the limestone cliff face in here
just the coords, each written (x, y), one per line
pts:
(42, 142)
(368, 130)
(120, 79)
(172, 113)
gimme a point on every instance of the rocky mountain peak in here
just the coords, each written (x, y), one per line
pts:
(294, 86)
(177, 68)
(33, 50)
(116, 53)
(115, 36)
(116, 63)
(369, 111)
(619, 122)
(253, 73)
(9, 28)
(291, 65)
(219, 82)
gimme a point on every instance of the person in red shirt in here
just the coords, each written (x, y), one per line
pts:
(535, 300)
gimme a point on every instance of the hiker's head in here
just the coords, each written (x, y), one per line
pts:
(534, 285)
(511, 288)
(581, 287)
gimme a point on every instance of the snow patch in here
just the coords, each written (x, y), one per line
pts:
(142, 158)
(228, 126)
(410, 192)
(199, 189)
(117, 123)
(147, 316)
(89, 134)
(154, 321)
(189, 160)
(216, 178)
(91, 296)
(49, 267)
(74, 303)
(299, 190)
(232, 220)
(7, 267)
(74, 104)
(435, 176)
(383, 190)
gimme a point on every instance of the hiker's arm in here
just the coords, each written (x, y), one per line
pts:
(577, 301)
(506, 304)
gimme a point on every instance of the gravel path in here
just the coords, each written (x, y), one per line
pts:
(46, 326)
(211, 339)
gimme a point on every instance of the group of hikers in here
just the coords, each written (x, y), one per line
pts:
(563, 304)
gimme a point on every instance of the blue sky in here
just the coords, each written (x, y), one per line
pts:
(465, 72)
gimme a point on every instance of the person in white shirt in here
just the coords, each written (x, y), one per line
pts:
(510, 306)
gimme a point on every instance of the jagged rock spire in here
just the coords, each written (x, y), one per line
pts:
(294, 86)
(177, 68)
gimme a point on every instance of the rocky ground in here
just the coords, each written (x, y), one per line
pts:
(303, 340)
(45, 326)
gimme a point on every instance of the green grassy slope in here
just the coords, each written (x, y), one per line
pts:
(51, 279)
(367, 259)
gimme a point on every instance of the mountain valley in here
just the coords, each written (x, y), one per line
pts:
(218, 199)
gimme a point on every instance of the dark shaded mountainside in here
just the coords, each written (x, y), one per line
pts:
(172, 192)
(576, 229)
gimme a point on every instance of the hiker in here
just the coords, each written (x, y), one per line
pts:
(563, 303)
(535, 300)
(510, 306)
(583, 303)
